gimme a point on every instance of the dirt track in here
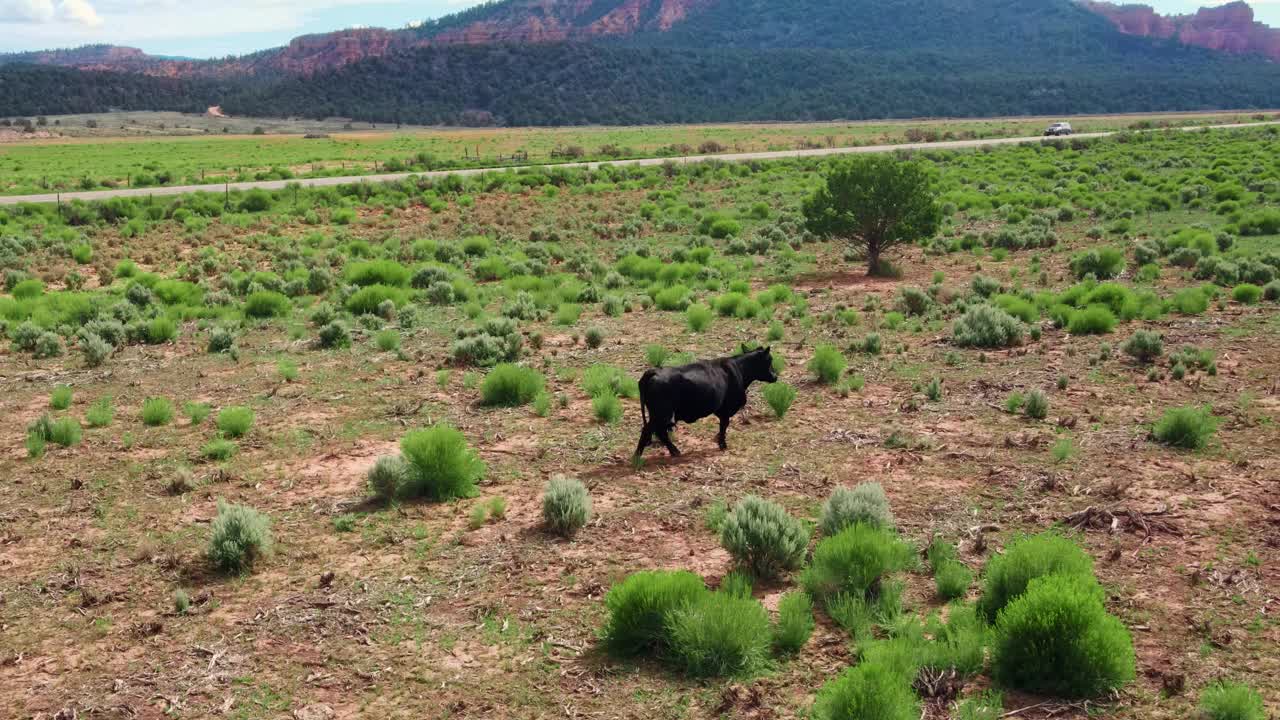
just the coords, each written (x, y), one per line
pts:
(723, 157)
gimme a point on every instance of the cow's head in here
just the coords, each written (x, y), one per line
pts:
(760, 365)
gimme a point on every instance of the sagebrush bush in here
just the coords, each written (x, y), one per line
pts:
(387, 477)
(795, 622)
(510, 385)
(334, 335)
(719, 635)
(763, 538)
(1025, 558)
(866, 504)
(827, 363)
(234, 422)
(1057, 639)
(1144, 346)
(867, 691)
(1102, 263)
(779, 396)
(853, 561)
(1231, 701)
(94, 348)
(440, 465)
(566, 506)
(986, 326)
(639, 606)
(157, 411)
(1190, 427)
(239, 538)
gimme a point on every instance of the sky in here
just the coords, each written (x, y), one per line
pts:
(235, 27)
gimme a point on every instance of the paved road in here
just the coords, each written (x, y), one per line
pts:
(723, 157)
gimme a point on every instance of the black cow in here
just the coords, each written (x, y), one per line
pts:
(691, 392)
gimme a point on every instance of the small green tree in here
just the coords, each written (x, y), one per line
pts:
(874, 202)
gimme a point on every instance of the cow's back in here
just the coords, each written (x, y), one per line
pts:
(689, 392)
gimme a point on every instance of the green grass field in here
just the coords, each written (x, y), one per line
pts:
(98, 161)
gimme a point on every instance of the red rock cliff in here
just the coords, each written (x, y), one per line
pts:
(1230, 28)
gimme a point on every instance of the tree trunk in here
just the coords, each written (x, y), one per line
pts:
(873, 258)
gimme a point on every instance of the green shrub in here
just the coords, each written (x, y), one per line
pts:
(234, 422)
(1037, 405)
(865, 504)
(60, 398)
(1144, 346)
(671, 299)
(780, 396)
(196, 411)
(266, 304)
(606, 408)
(1246, 293)
(368, 300)
(1190, 301)
(1026, 558)
(567, 314)
(387, 477)
(240, 537)
(100, 414)
(762, 538)
(827, 363)
(440, 465)
(82, 253)
(795, 622)
(1188, 427)
(594, 338)
(867, 691)
(1231, 701)
(719, 635)
(161, 330)
(639, 607)
(952, 579)
(378, 272)
(985, 326)
(509, 385)
(387, 340)
(566, 506)
(602, 379)
(1057, 639)
(219, 449)
(64, 432)
(1093, 320)
(157, 411)
(656, 355)
(853, 561)
(94, 348)
(699, 317)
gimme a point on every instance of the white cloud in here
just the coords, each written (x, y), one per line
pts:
(79, 12)
(26, 11)
(43, 12)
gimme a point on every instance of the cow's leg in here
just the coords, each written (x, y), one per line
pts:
(664, 434)
(646, 437)
(724, 427)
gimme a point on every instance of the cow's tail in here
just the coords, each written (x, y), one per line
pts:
(645, 379)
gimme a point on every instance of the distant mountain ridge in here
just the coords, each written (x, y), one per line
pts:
(552, 62)
(1229, 28)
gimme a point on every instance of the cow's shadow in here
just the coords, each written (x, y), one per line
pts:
(653, 459)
